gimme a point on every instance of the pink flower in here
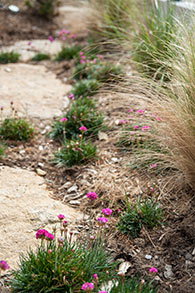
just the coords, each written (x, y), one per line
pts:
(132, 132)
(102, 292)
(73, 36)
(41, 234)
(158, 119)
(29, 43)
(136, 127)
(51, 39)
(130, 110)
(71, 96)
(3, 265)
(123, 122)
(65, 224)
(74, 117)
(82, 61)
(83, 57)
(94, 61)
(81, 53)
(63, 31)
(153, 165)
(100, 56)
(153, 270)
(140, 111)
(145, 128)
(87, 286)
(49, 236)
(95, 276)
(102, 220)
(107, 212)
(83, 128)
(63, 119)
(61, 217)
(92, 195)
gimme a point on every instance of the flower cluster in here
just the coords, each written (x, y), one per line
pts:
(107, 212)
(44, 234)
(92, 195)
(102, 220)
(3, 265)
(87, 287)
(61, 217)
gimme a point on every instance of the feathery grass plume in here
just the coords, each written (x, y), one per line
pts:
(152, 41)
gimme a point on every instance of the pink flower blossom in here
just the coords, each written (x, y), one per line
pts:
(51, 39)
(102, 292)
(74, 117)
(136, 127)
(29, 43)
(92, 195)
(61, 217)
(81, 53)
(130, 110)
(102, 220)
(49, 236)
(107, 212)
(41, 234)
(64, 31)
(132, 132)
(100, 56)
(83, 128)
(3, 265)
(153, 165)
(73, 36)
(145, 128)
(94, 61)
(65, 224)
(82, 61)
(71, 96)
(64, 119)
(87, 286)
(153, 270)
(95, 276)
(83, 57)
(123, 122)
(140, 111)
(158, 119)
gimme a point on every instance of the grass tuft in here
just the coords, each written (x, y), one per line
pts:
(68, 53)
(16, 129)
(9, 57)
(40, 57)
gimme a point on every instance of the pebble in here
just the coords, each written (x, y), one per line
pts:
(193, 252)
(73, 188)
(115, 160)
(123, 267)
(40, 165)
(168, 271)
(40, 172)
(75, 202)
(22, 152)
(188, 256)
(148, 256)
(7, 69)
(102, 136)
(41, 148)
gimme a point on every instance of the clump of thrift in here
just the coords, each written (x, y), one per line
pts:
(107, 212)
(102, 220)
(153, 270)
(61, 217)
(87, 287)
(92, 195)
(83, 129)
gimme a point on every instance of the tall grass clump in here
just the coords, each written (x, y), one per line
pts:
(152, 42)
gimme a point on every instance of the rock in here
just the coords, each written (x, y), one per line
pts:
(168, 271)
(193, 252)
(22, 152)
(74, 188)
(102, 136)
(148, 256)
(75, 202)
(41, 148)
(188, 256)
(7, 69)
(123, 267)
(40, 172)
(25, 206)
(189, 264)
(41, 165)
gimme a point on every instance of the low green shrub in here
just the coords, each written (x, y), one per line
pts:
(68, 53)
(2, 149)
(82, 112)
(85, 88)
(16, 129)
(9, 57)
(146, 212)
(75, 152)
(40, 57)
(62, 268)
(103, 72)
(45, 8)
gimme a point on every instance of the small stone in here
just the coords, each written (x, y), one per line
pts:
(102, 136)
(74, 188)
(123, 268)
(7, 69)
(22, 152)
(40, 165)
(188, 256)
(40, 172)
(168, 271)
(148, 256)
(190, 264)
(193, 252)
(115, 160)
(74, 202)
(41, 148)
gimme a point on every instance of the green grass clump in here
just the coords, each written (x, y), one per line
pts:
(75, 152)
(103, 72)
(82, 112)
(146, 212)
(152, 49)
(85, 88)
(44, 8)
(2, 149)
(68, 53)
(40, 57)
(54, 268)
(9, 57)
(16, 129)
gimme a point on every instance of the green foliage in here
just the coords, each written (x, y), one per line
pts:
(103, 72)
(64, 269)
(133, 285)
(9, 57)
(68, 53)
(85, 88)
(146, 212)
(82, 112)
(16, 129)
(40, 57)
(152, 49)
(75, 152)
(2, 149)
(45, 8)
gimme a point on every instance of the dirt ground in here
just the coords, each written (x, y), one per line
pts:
(173, 244)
